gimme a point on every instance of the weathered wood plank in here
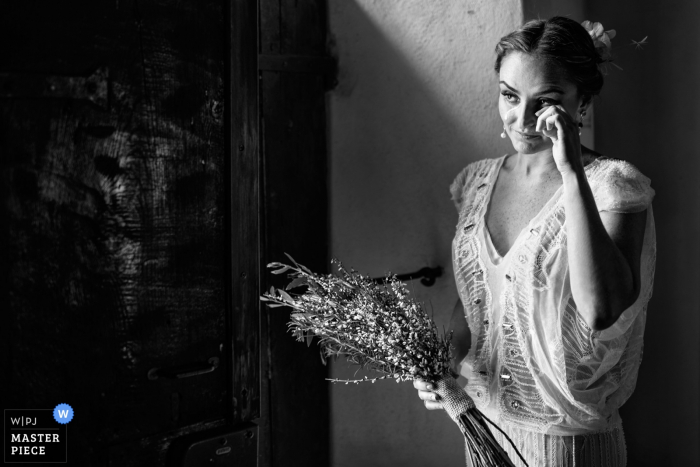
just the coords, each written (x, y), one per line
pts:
(296, 223)
(243, 165)
(294, 157)
(270, 26)
(297, 64)
(303, 27)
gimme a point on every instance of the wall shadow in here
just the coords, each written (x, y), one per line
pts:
(407, 115)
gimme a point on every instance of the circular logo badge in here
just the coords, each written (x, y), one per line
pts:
(63, 413)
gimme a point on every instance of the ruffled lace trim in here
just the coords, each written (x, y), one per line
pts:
(460, 186)
(619, 186)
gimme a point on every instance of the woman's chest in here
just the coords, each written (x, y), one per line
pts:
(513, 204)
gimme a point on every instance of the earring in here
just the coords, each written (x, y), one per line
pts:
(503, 133)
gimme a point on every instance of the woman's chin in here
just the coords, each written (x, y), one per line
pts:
(530, 147)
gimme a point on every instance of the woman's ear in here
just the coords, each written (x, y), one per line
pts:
(585, 102)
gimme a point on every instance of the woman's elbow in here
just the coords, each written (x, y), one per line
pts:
(601, 322)
(602, 314)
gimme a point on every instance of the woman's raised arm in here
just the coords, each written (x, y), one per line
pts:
(604, 248)
(604, 254)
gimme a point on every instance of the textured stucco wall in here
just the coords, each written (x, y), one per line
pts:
(416, 102)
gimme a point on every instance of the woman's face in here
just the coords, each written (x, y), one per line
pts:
(527, 84)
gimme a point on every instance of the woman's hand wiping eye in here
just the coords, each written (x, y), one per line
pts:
(555, 123)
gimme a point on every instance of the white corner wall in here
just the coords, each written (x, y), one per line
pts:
(416, 102)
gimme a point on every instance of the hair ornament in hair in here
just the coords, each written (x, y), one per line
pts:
(601, 38)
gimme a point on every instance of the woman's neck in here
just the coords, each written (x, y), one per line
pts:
(534, 166)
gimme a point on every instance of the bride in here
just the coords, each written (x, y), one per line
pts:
(554, 259)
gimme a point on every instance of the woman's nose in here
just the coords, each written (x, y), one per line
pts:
(525, 116)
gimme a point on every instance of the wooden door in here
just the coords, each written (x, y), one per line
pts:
(153, 157)
(118, 207)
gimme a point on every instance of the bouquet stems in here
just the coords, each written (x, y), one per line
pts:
(481, 447)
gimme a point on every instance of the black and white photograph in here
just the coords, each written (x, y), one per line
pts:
(350, 233)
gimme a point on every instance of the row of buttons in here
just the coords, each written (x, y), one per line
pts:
(477, 301)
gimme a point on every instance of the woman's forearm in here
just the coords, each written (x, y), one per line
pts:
(602, 280)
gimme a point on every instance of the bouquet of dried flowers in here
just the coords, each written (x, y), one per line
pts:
(380, 327)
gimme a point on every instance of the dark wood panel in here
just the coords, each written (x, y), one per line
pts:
(293, 27)
(297, 64)
(244, 190)
(270, 26)
(303, 27)
(296, 223)
(114, 221)
(295, 71)
(132, 222)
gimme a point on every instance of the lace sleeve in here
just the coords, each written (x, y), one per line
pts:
(459, 185)
(620, 187)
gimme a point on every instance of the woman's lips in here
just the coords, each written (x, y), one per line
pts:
(528, 135)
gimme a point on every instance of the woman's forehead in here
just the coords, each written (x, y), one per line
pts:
(532, 73)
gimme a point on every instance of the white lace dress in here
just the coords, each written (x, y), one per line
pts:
(535, 367)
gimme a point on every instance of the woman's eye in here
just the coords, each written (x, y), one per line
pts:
(509, 97)
(547, 102)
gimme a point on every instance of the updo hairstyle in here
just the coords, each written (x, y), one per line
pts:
(561, 41)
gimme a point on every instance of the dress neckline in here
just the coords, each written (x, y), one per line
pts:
(494, 255)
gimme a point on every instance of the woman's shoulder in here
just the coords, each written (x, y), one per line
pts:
(477, 167)
(618, 185)
(467, 175)
(610, 166)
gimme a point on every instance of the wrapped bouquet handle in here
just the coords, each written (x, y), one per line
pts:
(454, 400)
(380, 327)
(480, 445)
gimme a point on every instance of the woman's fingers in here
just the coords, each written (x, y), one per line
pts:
(552, 120)
(428, 396)
(433, 405)
(430, 399)
(422, 385)
(548, 126)
(543, 116)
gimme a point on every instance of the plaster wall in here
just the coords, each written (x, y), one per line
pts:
(416, 102)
